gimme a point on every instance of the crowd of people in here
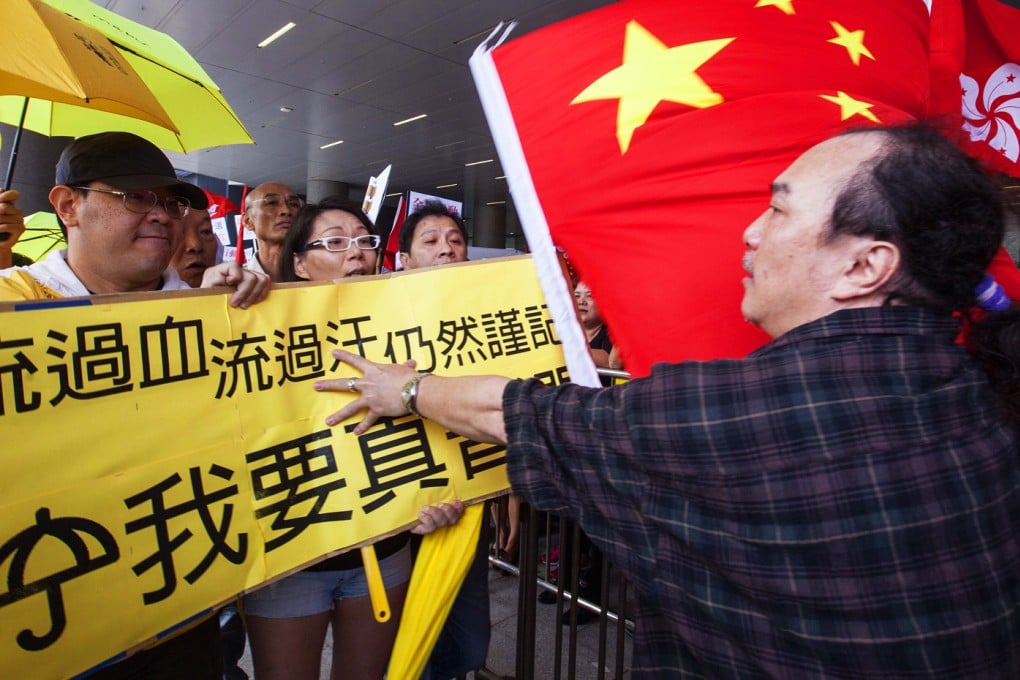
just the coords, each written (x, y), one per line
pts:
(844, 502)
(132, 226)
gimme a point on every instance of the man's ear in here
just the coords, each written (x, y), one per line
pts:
(403, 259)
(872, 265)
(62, 198)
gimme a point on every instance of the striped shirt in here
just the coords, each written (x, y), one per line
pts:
(843, 503)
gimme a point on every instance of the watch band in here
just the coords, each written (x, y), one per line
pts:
(409, 394)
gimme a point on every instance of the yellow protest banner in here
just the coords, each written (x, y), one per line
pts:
(164, 453)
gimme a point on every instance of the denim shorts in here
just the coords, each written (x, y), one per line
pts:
(313, 592)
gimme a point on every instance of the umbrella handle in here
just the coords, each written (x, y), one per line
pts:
(14, 155)
(376, 587)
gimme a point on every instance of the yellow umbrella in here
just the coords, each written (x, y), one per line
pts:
(49, 55)
(52, 59)
(200, 117)
(439, 570)
(42, 234)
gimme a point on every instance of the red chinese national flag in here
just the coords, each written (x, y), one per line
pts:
(652, 131)
(644, 137)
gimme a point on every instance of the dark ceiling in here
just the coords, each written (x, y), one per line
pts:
(348, 70)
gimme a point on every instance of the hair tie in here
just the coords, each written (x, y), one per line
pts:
(991, 296)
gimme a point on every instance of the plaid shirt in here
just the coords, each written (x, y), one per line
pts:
(843, 503)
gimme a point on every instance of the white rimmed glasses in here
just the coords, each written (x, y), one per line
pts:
(338, 244)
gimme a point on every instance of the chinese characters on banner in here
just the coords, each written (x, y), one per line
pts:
(165, 454)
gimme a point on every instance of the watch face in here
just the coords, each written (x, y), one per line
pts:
(409, 393)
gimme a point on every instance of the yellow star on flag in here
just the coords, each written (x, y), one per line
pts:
(848, 106)
(852, 41)
(651, 73)
(785, 5)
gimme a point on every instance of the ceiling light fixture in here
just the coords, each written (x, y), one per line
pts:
(445, 146)
(399, 193)
(446, 186)
(326, 146)
(468, 165)
(500, 177)
(286, 109)
(410, 120)
(496, 203)
(283, 29)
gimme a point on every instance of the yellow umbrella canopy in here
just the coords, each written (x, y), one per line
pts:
(42, 234)
(439, 570)
(51, 56)
(193, 103)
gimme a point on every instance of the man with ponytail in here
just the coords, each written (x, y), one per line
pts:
(845, 501)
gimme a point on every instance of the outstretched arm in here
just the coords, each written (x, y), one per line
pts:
(471, 406)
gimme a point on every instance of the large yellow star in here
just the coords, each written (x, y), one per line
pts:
(785, 5)
(852, 41)
(651, 73)
(848, 106)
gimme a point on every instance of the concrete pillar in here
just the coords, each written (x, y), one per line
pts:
(514, 231)
(319, 189)
(489, 228)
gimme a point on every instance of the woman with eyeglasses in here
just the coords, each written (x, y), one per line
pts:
(329, 240)
(287, 620)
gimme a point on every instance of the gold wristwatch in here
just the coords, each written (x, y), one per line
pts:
(409, 394)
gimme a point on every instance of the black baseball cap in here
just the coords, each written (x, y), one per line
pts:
(124, 161)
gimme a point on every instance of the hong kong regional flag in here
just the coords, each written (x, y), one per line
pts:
(641, 138)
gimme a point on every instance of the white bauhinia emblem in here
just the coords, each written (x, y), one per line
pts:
(992, 113)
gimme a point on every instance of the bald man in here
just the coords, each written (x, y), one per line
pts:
(269, 210)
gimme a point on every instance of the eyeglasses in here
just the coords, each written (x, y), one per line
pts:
(338, 244)
(143, 201)
(275, 202)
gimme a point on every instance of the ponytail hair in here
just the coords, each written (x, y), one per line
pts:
(994, 340)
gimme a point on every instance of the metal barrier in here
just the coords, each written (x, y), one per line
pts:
(555, 557)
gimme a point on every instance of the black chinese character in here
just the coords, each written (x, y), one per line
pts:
(478, 457)
(17, 369)
(71, 531)
(459, 341)
(172, 351)
(400, 347)
(397, 452)
(100, 363)
(285, 469)
(199, 501)
(301, 355)
(358, 342)
(504, 333)
(244, 362)
(542, 331)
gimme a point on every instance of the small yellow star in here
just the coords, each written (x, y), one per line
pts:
(651, 73)
(852, 41)
(785, 5)
(848, 106)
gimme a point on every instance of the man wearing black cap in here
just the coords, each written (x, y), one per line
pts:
(121, 205)
(122, 208)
